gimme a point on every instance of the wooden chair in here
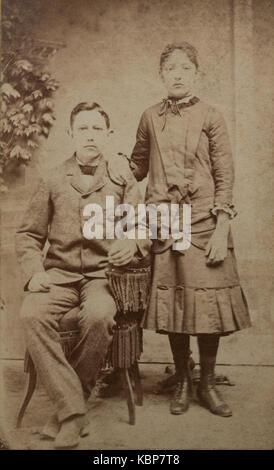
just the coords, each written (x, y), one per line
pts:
(69, 334)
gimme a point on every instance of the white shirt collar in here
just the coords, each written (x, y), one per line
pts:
(186, 99)
(83, 164)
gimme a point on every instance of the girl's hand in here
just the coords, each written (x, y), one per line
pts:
(122, 252)
(216, 249)
(119, 169)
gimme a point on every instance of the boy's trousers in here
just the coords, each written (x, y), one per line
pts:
(40, 314)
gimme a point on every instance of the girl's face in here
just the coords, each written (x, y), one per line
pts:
(178, 74)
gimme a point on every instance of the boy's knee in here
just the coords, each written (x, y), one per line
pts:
(32, 309)
(92, 315)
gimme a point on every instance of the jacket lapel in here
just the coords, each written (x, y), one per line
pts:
(80, 183)
(195, 117)
(174, 175)
(158, 119)
(195, 120)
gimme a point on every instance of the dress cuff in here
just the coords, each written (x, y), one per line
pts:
(228, 208)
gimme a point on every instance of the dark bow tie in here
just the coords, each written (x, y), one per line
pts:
(87, 169)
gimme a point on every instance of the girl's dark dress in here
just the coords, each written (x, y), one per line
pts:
(185, 150)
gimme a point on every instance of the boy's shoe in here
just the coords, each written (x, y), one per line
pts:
(70, 432)
(51, 428)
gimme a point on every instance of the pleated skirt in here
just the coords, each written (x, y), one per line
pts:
(188, 296)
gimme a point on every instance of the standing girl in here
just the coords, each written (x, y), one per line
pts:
(183, 145)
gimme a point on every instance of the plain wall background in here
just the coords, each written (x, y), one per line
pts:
(111, 55)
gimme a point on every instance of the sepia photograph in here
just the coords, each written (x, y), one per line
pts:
(137, 279)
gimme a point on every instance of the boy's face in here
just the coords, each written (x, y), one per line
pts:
(89, 135)
(178, 74)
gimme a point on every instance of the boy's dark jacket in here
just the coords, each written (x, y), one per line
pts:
(55, 214)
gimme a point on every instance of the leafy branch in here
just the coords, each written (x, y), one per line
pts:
(27, 108)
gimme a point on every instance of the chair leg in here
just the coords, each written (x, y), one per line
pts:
(32, 379)
(130, 396)
(138, 384)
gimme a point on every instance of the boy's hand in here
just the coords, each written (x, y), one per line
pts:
(119, 168)
(40, 282)
(122, 252)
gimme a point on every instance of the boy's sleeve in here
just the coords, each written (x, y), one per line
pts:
(139, 161)
(32, 233)
(133, 196)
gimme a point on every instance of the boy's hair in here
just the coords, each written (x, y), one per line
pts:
(184, 46)
(88, 106)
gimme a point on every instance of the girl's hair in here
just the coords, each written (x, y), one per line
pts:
(189, 50)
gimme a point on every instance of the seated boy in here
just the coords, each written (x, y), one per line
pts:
(73, 271)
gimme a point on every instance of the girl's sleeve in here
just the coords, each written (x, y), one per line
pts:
(133, 197)
(139, 161)
(221, 163)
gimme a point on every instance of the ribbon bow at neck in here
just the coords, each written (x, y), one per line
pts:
(175, 105)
